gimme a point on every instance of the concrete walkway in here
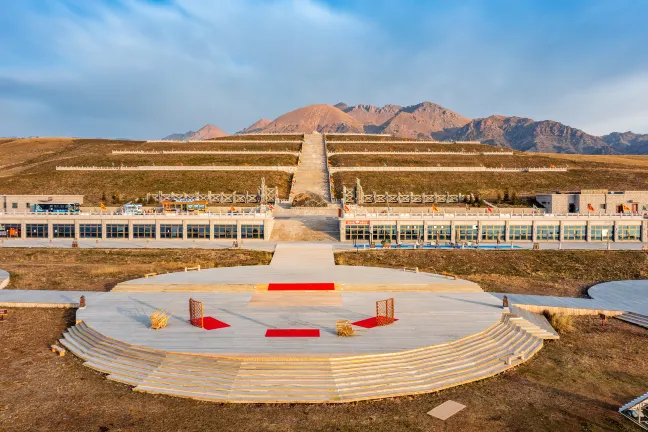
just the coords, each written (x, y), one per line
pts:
(4, 278)
(311, 175)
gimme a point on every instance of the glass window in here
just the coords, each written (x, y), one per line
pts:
(628, 232)
(63, 230)
(197, 231)
(493, 232)
(411, 232)
(602, 232)
(521, 232)
(10, 230)
(90, 230)
(549, 232)
(14, 205)
(438, 232)
(357, 232)
(36, 230)
(116, 230)
(144, 231)
(384, 232)
(252, 231)
(170, 231)
(225, 231)
(466, 232)
(575, 232)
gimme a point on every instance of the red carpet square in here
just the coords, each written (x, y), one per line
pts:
(211, 323)
(301, 287)
(369, 322)
(292, 333)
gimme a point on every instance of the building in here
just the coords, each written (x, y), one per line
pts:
(595, 201)
(210, 226)
(24, 203)
(492, 227)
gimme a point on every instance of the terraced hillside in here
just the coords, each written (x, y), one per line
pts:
(29, 167)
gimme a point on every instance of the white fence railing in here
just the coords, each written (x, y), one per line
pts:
(202, 152)
(178, 168)
(496, 215)
(446, 168)
(401, 142)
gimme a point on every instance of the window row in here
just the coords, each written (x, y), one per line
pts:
(470, 233)
(117, 231)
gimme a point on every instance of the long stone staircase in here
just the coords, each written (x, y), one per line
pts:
(312, 173)
(505, 344)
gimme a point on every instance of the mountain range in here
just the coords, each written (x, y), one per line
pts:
(430, 121)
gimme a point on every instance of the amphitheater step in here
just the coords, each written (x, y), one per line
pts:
(634, 318)
(501, 346)
(533, 323)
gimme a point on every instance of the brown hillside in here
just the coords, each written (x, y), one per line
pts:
(372, 115)
(525, 134)
(207, 132)
(322, 118)
(255, 127)
(425, 120)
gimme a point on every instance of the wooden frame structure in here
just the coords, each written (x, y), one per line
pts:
(385, 312)
(196, 313)
(159, 319)
(344, 328)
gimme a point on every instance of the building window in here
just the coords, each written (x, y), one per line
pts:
(197, 231)
(602, 232)
(358, 232)
(466, 232)
(225, 231)
(63, 230)
(493, 232)
(36, 230)
(144, 231)
(14, 205)
(116, 230)
(575, 232)
(549, 232)
(252, 231)
(90, 230)
(411, 232)
(28, 206)
(170, 231)
(628, 232)
(10, 230)
(521, 232)
(384, 232)
(438, 232)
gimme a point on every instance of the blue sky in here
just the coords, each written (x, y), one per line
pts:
(146, 68)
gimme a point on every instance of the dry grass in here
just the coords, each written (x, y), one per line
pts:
(561, 323)
(269, 137)
(574, 384)
(545, 272)
(488, 184)
(420, 146)
(102, 269)
(370, 139)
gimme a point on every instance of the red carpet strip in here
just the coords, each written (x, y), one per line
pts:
(210, 323)
(292, 333)
(369, 322)
(301, 287)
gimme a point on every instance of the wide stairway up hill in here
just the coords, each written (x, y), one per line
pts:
(311, 175)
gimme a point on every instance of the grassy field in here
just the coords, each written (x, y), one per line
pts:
(102, 269)
(421, 146)
(360, 137)
(488, 184)
(548, 272)
(31, 169)
(268, 137)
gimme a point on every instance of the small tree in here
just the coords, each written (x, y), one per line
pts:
(104, 198)
(514, 198)
(507, 195)
(499, 197)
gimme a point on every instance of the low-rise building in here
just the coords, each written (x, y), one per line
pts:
(491, 227)
(595, 201)
(25, 203)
